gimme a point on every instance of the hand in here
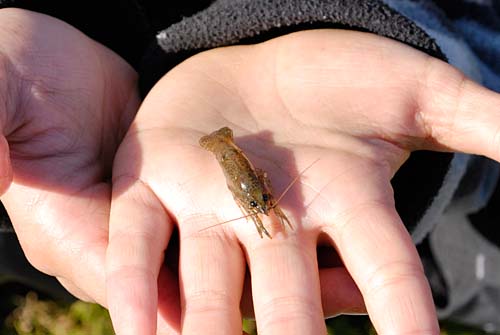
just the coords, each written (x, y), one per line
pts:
(65, 104)
(361, 104)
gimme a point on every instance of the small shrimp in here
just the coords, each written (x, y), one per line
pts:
(250, 186)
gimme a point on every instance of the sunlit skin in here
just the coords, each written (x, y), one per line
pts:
(65, 104)
(360, 102)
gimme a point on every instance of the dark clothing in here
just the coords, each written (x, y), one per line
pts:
(436, 194)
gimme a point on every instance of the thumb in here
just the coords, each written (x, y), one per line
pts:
(458, 114)
(5, 166)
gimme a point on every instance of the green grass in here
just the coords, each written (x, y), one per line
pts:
(30, 314)
(44, 317)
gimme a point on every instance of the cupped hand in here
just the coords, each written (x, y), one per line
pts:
(65, 103)
(357, 102)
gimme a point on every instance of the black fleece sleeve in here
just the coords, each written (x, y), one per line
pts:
(228, 22)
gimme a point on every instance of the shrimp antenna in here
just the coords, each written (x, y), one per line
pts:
(290, 185)
(221, 223)
(293, 182)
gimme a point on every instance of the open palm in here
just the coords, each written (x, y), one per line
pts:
(358, 103)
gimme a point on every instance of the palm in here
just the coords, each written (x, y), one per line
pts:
(290, 102)
(75, 100)
(342, 164)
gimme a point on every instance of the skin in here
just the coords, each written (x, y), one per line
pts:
(64, 114)
(65, 104)
(289, 100)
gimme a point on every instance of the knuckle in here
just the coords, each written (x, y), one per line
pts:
(389, 276)
(124, 273)
(440, 99)
(203, 301)
(279, 311)
(396, 290)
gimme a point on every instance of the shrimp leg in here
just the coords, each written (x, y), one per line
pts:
(256, 220)
(279, 213)
(277, 210)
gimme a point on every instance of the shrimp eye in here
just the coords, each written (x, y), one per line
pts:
(265, 197)
(253, 203)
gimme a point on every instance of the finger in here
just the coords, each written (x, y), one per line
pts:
(169, 310)
(381, 258)
(138, 234)
(339, 294)
(69, 242)
(457, 113)
(285, 285)
(211, 269)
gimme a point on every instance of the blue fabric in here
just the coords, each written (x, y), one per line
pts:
(468, 262)
(458, 38)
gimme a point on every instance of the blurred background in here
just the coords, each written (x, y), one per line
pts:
(24, 311)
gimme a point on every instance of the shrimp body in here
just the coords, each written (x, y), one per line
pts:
(250, 187)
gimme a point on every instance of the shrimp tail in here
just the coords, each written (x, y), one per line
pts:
(224, 134)
(207, 143)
